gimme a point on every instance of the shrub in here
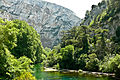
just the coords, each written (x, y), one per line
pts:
(25, 76)
(92, 63)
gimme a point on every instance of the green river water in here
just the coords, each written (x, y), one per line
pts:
(41, 75)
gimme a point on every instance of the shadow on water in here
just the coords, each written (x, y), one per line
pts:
(41, 75)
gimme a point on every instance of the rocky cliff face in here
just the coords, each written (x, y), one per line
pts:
(48, 19)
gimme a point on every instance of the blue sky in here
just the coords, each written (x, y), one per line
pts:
(77, 6)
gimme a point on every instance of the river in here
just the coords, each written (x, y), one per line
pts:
(41, 75)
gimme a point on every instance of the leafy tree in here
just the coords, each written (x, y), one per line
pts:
(12, 67)
(67, 57)
(93, 6)
(78, 37)
(111, 64)
(51, 58)
(87, 14)
(11, 34)
(116, 38)
(98, 42)
(92, 62)
(82, 61)
(28, 41)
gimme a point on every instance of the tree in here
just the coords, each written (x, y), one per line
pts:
(12, 67)
(51, 57)
(82, 61)
(11, 34)
(98, 42)
(67, 57)
(111, 64)
(78, 37)
(28, 41)
(92, 63)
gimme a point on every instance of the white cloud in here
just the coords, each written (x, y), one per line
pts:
(77, 6)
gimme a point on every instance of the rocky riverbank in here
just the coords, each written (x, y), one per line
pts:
(96, 74)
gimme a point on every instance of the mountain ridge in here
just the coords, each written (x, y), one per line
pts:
(48, 19)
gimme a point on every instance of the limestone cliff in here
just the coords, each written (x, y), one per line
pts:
(48, 19)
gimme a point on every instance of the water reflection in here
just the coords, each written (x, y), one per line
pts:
(40, 75)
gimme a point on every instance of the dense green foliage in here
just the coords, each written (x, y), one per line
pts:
(50, 57)
(28, 41)
(92, 63)
(91, 47)
(25, 76)
(67, 54)
(20, 46)
(111, 64)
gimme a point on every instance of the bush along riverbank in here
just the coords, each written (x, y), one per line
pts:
(89, 63)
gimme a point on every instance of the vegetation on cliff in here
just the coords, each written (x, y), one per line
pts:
(92, 47)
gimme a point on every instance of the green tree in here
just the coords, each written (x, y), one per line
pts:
(111, 64)
(12, 67)
(92, 62)
(67, 57)
(10, 38)
(51, 57)
(28, 42)
(82, 61)
(99, 42)
(78, 37)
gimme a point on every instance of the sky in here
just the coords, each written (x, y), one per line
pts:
(79, 7)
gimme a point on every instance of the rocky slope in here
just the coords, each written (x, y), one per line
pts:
(106, 14)
(48, 19)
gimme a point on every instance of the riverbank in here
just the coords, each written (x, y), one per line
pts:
(41, 74)
(96, 74)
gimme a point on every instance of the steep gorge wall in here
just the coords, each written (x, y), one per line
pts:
(48, 19)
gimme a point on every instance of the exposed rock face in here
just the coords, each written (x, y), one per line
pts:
(48, 19)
